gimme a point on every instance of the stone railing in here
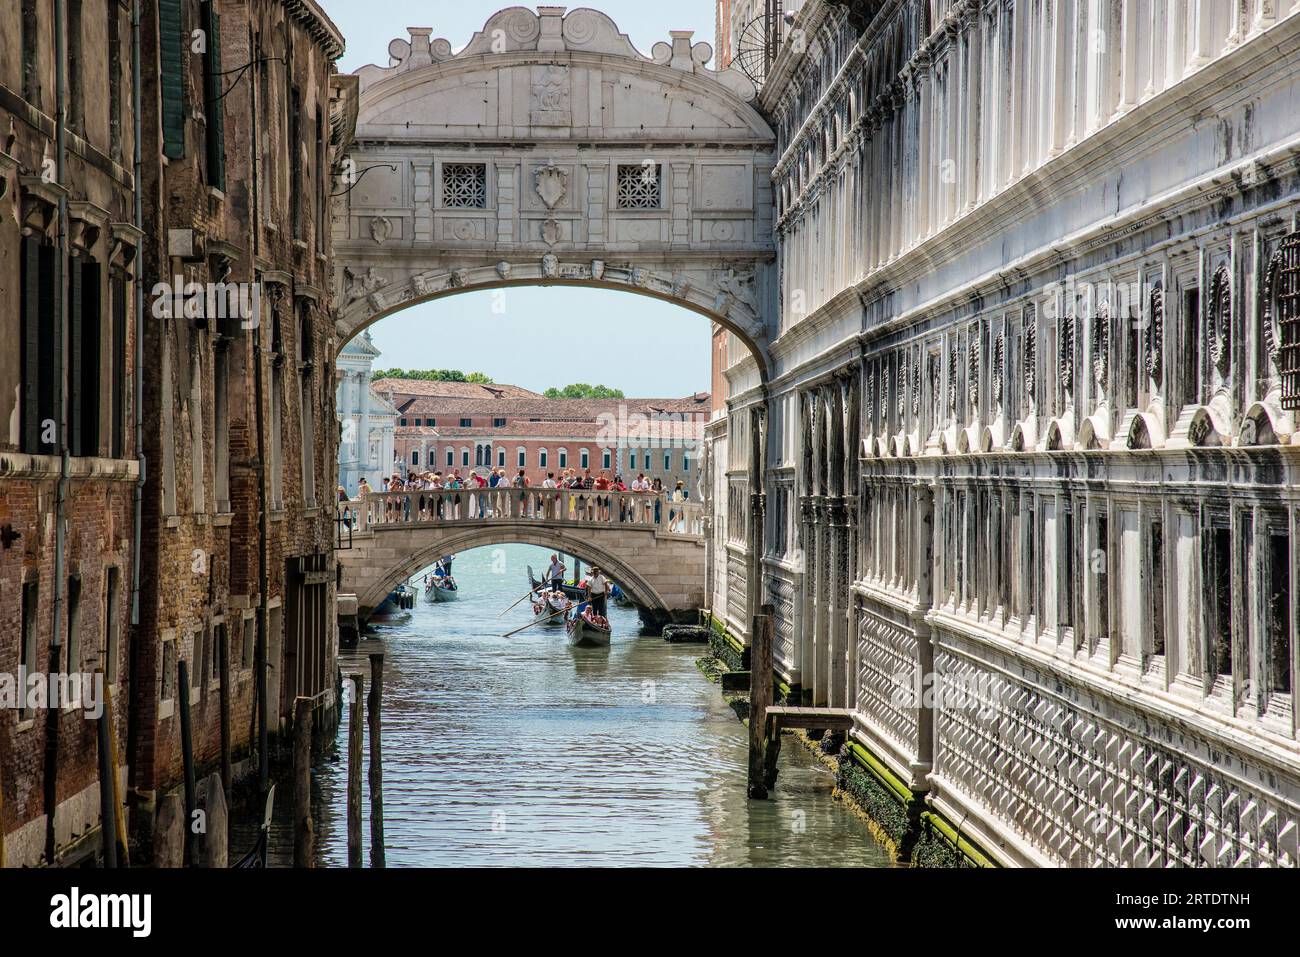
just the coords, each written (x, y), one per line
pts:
(567, 507)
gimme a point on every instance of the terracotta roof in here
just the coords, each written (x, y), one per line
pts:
(403, 388)
(587, 431)
(533, 406)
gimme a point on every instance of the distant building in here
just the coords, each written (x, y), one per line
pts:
(456, 425)
(367, 421)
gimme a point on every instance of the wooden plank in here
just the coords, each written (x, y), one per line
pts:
(834, 719)
(356, 683)
(302, 823)
(376, 763)
(760, 699)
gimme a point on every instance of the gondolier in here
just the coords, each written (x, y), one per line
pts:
(597, 591)
(555, 573)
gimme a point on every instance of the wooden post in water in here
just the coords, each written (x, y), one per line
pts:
(2, 819)
(216, 840)
(376, 763)
(760, 698)
(224, 667)
(187, 757)
(107, 807)
(354, 770)
(123, 849)
(302, 824)
(169, 833)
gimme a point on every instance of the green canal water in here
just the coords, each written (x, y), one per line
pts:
(523, 751)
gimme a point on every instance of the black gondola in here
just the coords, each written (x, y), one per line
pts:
(570, 591)
(257, 856)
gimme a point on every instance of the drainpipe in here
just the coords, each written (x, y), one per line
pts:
(54, 706)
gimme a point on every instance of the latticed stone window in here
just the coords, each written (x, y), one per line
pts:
(639, 186)
(464, 185)
(1282, 317)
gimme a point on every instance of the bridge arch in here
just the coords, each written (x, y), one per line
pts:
(641, 589)
(549, 151)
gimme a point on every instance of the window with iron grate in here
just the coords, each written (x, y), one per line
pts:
(1282, 321)
(639, 186)
(464, 185)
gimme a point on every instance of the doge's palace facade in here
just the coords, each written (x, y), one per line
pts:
(1030, 434)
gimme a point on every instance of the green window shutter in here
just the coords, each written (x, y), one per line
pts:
(215, 109)
(89, 318)
(171, 55)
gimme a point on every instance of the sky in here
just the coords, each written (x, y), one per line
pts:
(532, 336)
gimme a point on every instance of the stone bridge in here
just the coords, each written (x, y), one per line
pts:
(549, 151)
(653, 548)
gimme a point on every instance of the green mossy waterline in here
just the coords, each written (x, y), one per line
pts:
(896, 817)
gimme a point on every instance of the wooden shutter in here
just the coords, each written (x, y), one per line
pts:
(171, 54)
(88, 386)
(50, 351)
(118, 306)
(214, 108)
(31, 344)
(75, 355)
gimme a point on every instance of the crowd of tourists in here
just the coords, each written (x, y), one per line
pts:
(493, 492)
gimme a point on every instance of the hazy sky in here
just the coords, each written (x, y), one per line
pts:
(544, 336)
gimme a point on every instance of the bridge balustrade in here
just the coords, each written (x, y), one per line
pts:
(567, 507)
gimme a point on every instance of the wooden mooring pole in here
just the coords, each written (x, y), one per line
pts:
(226, 770)
(760, 698)
(107, 799)
(376, 762)
(216, 839)
(302, 824)
(354, 769)
(187, 757)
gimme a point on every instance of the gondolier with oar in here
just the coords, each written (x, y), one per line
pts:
(555, 573)
(597, 591)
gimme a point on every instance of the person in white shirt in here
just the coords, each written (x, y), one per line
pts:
(555, 573)
(597, 590)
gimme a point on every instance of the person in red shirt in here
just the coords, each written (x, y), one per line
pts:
(602, 501)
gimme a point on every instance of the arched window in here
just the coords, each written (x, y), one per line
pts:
(541, 458)
(451, 457)
(1282, 317)
(605, 458)
(523, 456)
(564, 458)
(584, 459)
(415, 456)
(464, 457)
(501, 458)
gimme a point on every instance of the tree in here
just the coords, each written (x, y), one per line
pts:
(433, 375)
(582, 390)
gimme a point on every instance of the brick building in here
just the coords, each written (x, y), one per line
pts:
(67, 378)
(244, 556)
(459, 425)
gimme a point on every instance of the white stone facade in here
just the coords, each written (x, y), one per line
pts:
(367, 422)
(1031, 429)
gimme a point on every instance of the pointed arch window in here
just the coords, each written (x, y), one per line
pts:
(1282, 317)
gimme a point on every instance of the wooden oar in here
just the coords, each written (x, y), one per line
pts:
(537, 621)
(526, 594)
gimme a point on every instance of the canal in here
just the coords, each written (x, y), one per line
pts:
(522, 751)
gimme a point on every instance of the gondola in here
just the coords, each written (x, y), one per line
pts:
(441, 588)
(256, 857)
(547, 606)
(618, 596)
(585, 630)
(572, 592)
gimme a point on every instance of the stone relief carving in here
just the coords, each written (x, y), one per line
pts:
(916, 386)
(1219, 320)
(381, 227)
(681, 286)
(1065, 354)
(999, 367)
(598, 269)
(550, 266)
(1101, 345)
(900, 389)
(974, 352)
(363, 285)
(458, 278)
(1155, 332)
(739, 284)
(552, 185)
(503, 269)
(935, 373)
(1031, 354)
(952, 380)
